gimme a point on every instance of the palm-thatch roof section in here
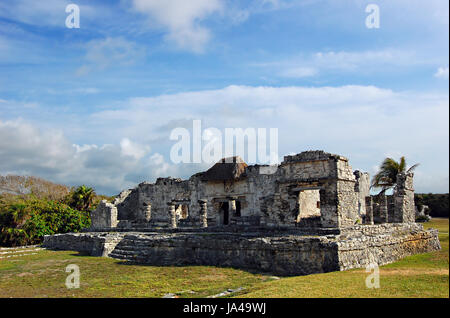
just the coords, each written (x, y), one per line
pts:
(227, 169)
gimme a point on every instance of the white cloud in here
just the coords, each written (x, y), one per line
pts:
(442, 72)
(363, 123)
(110, 51)
(299, 72)
(182, 19)
(372, 61)
(132, 149)
(27, 150)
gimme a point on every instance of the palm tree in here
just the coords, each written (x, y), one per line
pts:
(386, 177)
(82, 198)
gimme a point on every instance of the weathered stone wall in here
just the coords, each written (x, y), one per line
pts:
(383, 244)
(292, 255)
(94, 244)
(281, 254)
(105, 216)
(271, 200)
(396, 208)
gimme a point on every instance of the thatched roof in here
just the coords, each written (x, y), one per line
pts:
(227, 169)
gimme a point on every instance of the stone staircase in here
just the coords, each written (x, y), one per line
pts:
(132, 248)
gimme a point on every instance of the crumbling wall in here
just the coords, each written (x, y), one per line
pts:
(384, 243)
(404, 198)
(105, 216)
(264, 199)
(354, 247)
(362, 189)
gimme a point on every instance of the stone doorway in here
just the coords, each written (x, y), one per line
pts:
(182, 211)
(308, 205)
(238, 208)
(224, 211)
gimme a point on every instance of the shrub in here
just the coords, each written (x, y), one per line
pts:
(26, 221)
(438, 203)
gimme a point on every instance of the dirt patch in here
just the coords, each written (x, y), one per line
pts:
(25, 274)
(411, 272)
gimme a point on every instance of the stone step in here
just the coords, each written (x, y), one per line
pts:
(18, 247)
(8, 252)
(121, 256)
(17, 255)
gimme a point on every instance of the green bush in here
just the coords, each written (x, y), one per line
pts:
(26, 221)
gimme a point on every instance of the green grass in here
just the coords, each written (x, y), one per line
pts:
(43, 275)
(422, 275)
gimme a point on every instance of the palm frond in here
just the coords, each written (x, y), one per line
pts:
(411, 169)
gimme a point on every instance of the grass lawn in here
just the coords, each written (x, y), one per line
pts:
(43, 275)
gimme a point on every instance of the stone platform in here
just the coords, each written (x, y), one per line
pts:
(275, 252)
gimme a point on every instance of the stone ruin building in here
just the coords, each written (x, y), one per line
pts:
(310, 214)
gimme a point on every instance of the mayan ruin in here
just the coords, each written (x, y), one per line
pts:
(310, 214)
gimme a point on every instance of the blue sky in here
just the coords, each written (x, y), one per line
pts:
(96, 105)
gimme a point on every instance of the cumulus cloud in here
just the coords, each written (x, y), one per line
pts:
(182, 19)
(132, 149)
(27, 150)
(364, 123)
(442, 72)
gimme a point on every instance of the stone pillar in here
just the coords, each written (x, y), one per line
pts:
(383, 209)
(172, 215)
(404, 208)
(369, 211)
(391, 208)
(299, 216)
(148, 213)
(339, 201)
(203, 213)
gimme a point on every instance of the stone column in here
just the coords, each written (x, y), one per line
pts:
(404, 209)
(172, 215)
(369, 211)
(383, 209)
(299, 210)
(203, 213)
(391, 208)
(148, 213)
